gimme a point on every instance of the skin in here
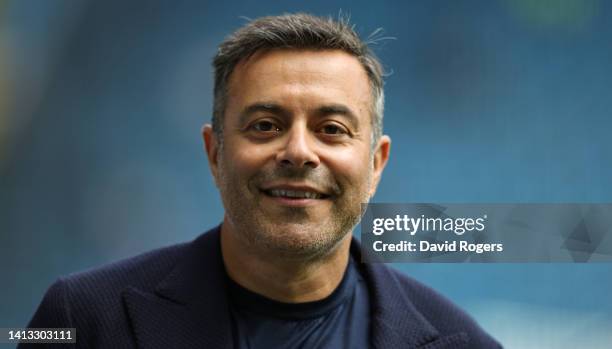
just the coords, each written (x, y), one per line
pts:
(295, 120)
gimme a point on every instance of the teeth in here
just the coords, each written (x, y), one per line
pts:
(295, 194)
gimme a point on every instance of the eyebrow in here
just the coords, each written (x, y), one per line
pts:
(276, 109)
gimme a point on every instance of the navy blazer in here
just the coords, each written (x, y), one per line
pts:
(175, 297)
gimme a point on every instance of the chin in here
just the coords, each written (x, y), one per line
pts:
(299, 239)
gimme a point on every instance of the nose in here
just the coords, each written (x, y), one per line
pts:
(298, 150)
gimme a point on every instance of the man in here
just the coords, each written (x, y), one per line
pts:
(295, 148)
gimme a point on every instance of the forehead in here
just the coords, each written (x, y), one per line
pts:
(301, 77)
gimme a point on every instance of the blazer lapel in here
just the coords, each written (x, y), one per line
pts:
(395, 321)
(189, 308)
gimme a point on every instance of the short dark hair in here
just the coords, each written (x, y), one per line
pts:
(298, 31)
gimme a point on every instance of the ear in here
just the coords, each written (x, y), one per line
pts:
(211, 147)
(380, 158)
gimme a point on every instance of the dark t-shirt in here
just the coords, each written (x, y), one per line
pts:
(339, 321)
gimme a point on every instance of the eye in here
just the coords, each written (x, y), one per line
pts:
(266, 126)
(334, 130)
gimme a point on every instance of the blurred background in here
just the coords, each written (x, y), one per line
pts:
(502, 101)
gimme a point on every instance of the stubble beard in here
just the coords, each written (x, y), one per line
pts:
(290, 233)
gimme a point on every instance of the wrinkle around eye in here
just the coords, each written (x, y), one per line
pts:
(334, 130)
(262, 129)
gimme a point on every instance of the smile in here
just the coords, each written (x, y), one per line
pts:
(292, 195)
(296, 194)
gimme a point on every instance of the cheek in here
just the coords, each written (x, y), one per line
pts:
(352, 167)
(241, 161)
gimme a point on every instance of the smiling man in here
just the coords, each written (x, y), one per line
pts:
(295, 148)
(293, 160)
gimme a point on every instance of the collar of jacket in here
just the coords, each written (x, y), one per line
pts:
(190, 309)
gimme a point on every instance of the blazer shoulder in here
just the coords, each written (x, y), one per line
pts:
(98, 290)
(143, 271)
(442, 313)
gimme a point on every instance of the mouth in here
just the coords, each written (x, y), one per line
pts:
(295, 196)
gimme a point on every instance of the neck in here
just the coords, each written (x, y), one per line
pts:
(289, 281)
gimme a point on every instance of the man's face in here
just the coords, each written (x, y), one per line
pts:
(296, 160)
